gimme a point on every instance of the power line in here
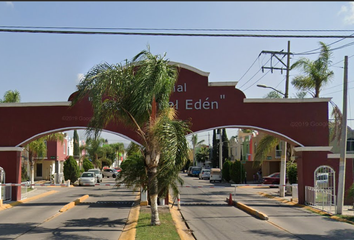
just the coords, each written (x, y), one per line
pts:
(250, 67)
(183, 29)
(253, 76)
(170, 34)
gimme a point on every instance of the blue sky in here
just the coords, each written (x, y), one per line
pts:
(47, 67)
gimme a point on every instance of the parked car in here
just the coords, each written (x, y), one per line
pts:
(189, 171)
(273, 178)
(204, 173)
(108, 172)
(98, 174)
(87, 179)
(215, 175)
(195, 171)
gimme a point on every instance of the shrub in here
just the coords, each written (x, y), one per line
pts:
(291, 171)
(71, 170)
(226, 171)
(237, 172)
(87, 164)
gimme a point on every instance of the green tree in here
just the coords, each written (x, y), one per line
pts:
(118, 149)
(225, 145)
(237, 172)
(137, 94)
(11, 97)
(226, 170)
(71, 170)
(317, 72)
(94, 149)
(215, 151)
(133, 148)
(195, 144)
(203, 154)
(76, 142)
(87, 164)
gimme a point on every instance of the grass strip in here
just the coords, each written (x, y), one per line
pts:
(167, 229)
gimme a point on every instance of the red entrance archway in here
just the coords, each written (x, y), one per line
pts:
(208, 105)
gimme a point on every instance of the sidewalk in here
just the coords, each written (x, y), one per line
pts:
(347, 210)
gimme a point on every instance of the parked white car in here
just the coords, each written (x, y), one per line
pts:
(87, 179)
(204, 174)
(98, 174)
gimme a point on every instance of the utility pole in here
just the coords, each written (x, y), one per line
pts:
(220, 149)
(282, 180)
(287, 65)
(343, 143)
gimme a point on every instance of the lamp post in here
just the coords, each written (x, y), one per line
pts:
(283, 154)
(265, 86)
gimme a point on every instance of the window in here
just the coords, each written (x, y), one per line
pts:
(350, 145)
(64, 148)
(277, 151)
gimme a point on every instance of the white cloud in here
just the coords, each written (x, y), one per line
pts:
(343, 9)
(11, 4)
(80, 76)
(348, 13)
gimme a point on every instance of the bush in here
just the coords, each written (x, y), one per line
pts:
(237, 172)
(71, 170)
(226, 171)
(291, 171)
(87, 164)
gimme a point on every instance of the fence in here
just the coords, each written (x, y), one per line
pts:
(323, 199)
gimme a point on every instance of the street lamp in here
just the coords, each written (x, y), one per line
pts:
(265, 86)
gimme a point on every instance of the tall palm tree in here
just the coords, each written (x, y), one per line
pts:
(11, 97)
(195, 144)
(317, 72)
(137, 94)
(94, 148)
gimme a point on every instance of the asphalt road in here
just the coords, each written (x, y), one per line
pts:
(101, 216)
(209, 217)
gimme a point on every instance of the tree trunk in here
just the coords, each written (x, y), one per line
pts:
(153, 192)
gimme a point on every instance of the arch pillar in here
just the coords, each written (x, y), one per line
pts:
(10, 161)
(310, 158)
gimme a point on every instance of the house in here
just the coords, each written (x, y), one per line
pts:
(49, 167)
(244, 147)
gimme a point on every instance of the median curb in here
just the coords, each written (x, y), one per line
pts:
(181, 226)
(129, 230)
(249, 210)
(12, 204)
(74, 203)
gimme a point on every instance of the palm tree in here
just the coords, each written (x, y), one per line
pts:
(137, 94)
(317, 72)
(195, 144)
(94, 149)
(11, 97)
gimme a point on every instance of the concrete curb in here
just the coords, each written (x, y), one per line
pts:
(10, 205)
(129, 230)
(74, 203)
(249, 210)
(183, 231)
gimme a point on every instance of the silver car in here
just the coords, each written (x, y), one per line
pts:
(87, 179)
(98, 174)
